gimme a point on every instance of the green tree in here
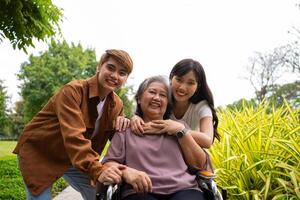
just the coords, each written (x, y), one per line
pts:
(21, 21)
(3, 108)
(44, 74)
(128, 103)
(289, 92)
(16, 119)
(241, 104)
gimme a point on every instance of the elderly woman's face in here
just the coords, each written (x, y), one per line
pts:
(154, 101)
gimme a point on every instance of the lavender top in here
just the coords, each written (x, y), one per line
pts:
(157, 155)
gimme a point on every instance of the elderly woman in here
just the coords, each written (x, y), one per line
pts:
(155, 166)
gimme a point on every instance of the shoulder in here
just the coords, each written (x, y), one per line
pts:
(76, 84)
(202, 105)
(203, 109)
(122, 135)
(72, 89)
(117, 101)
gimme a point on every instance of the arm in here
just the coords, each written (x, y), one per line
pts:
(116, 154)
(193, 153)
(67, 107)
(203, 138)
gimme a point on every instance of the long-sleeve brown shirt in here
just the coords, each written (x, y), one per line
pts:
(60, 135)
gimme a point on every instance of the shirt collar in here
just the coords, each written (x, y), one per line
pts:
(93, 88)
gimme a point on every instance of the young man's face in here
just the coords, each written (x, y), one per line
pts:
(112, 75)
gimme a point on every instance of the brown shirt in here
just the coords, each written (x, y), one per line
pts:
(59, 136)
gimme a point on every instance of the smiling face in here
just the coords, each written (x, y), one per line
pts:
(154, 101)
(112, 75)
(184, 87)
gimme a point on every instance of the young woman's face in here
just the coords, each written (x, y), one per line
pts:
(184, 87)
(154, 101)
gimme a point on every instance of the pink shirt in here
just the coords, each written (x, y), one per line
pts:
(157, 155)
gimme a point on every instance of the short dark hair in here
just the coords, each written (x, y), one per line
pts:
(144, 85)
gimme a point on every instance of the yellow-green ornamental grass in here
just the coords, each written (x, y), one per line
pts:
(259, 153)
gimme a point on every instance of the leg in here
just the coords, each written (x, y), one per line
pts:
(45, 195)
(140, 197)
(80, 182)
(188, 194)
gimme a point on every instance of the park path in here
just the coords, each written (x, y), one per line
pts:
(68, 194)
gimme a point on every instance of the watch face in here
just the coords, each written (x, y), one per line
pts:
(180, 134)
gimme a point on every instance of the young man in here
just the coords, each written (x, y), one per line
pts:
(67, 136)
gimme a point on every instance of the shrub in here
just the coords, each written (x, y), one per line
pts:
(11, 181)
(259, 154)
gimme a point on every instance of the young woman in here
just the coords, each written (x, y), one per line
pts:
(150, 173)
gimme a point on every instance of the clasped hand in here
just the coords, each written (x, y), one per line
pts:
(111, 174)
(170, 127)
(139, 180)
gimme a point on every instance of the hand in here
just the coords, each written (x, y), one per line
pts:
(111, 174)
(139, 180)
(136, 125)
(149, 128)
(121, 123)
(171, 127)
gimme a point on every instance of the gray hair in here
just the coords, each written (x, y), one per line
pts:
(144, 85)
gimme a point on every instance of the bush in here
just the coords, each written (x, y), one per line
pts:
(259, 154)
(11, 184)
(11, 181)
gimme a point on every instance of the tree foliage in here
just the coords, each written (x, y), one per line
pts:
(44, 74)
(289, 92)
(3, 107)
(124, 93)
(21, 21)
(16, 119)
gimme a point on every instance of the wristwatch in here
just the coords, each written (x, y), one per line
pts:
(181, 133)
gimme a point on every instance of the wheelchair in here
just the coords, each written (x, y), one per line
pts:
(207, 185)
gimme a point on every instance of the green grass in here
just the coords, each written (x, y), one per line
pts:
(6, 148)
(11, 182)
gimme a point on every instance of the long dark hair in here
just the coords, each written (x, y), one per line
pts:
(144, 85)
(203, 92)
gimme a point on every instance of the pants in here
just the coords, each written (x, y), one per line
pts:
(78, 180)
(180, 195)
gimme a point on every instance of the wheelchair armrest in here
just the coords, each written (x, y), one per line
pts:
(107, 192)
(101, 191)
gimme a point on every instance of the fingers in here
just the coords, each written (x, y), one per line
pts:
(136, 125)
(139, 180)
(148, 184)
(122, 123)
(142, 185)
(158, 126)
(109, 178)
(158, 121)
(122, 167)
(112, 174)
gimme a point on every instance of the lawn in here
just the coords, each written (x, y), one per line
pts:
(6, 148)
(11, 182)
